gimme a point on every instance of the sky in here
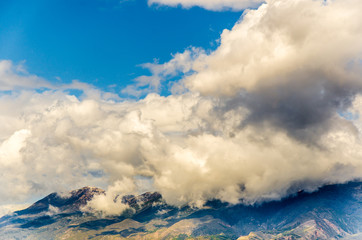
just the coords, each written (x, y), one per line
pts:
(102, 42)
(244, 101)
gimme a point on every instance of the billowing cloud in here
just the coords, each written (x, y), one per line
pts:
(292, 63)
(111, 203)
(215, 5)
(184, 145)
(273, 110)
(280, 40)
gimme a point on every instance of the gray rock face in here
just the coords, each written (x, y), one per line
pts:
(334, 212)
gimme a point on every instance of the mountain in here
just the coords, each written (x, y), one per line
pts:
(333, 212)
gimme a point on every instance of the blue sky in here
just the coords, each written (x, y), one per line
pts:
(102, 42)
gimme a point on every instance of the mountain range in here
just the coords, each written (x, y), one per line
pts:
(332, 212)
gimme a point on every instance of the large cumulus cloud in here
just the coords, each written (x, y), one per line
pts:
(291, 63)
(273, 110)
(183, 144)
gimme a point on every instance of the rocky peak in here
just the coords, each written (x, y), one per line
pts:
(68, 202)
(142, 200)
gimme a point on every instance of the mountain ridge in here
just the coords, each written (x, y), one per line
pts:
(333, 212)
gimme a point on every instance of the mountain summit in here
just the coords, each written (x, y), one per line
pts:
(334, 212)
(69, 202)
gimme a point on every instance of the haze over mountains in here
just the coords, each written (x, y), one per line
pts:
(333, 212)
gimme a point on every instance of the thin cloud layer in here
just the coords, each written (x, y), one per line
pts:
(14, 77)
(273, 110)
(215, 5)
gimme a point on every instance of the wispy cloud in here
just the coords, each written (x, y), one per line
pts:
(14, 77)
(216, 5)
(179, 65)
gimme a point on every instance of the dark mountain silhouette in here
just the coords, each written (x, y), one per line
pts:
(333, 212)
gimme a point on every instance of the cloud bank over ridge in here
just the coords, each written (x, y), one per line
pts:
(274, 109)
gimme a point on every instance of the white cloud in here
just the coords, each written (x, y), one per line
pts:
(16, 77)
(110, 203)
(280, 40)
(215, 5)
(179, 64)
(190, 149)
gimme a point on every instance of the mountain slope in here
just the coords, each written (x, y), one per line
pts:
(334, 212)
